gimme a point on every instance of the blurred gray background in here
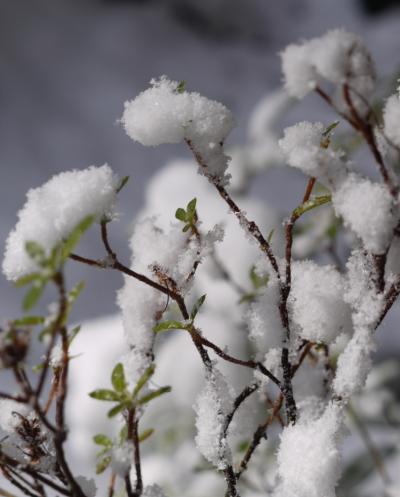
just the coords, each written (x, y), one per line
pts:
(67, 66)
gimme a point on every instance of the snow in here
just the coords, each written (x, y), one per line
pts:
(300, 76)
(213, 404)
(309, 457)
(265, 326)
(302, 148)
(391, 119)
(367, 209)
(153, 491)
(154, 252)
(122, 459)
(166, 113)
(316, 302)
(9, 410)
(354, 364)
(88, 486)
(52, 210)
(159, 114)
(338, 57)
(360, 290)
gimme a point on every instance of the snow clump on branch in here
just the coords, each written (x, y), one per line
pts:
(316, 302)
(338, 57)
(303, 147)
(309, 457)
(391, 119)
(52, 211)
(213, 405)
(166, 113)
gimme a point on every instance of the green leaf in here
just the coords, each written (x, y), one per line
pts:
(75, 292)
(186, 228)
(123, 434)
(191, 206)
(146, 434)
(181, 87)
(118, 378)
(311, 204)
(122, 183)
(104, 394)
(115, 410)
(73, 334)
(196, 307)
(258, 281)
(37, 367)
(153, 395)
(35, 252)
(326, 135)
(103, 465)
(101, 439)
(55, 260)
(33, 295)
(29, 278)
(248, 297)
(29, 321)
(180, 214)
(330, 128)
(75, 235)
(144, 379)
(270, 235)
(169, 325)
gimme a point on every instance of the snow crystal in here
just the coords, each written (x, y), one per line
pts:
(308, 456)
(9, 410)
(166, 114)
(212, 406)
(367, 209)
(54, 209)
(316, 302)
(122, 459)
(153, 491)
(88, 486)
(391, 119)
(302, 148)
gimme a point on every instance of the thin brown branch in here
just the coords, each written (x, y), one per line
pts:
(244, 394)
(224, 355)
(259, 434)
(250, 226)
(133, 435)
(111, 485)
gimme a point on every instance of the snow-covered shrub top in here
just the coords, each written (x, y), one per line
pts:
(166, 113)
(338, 57)
(52, 210)
(259, 338)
